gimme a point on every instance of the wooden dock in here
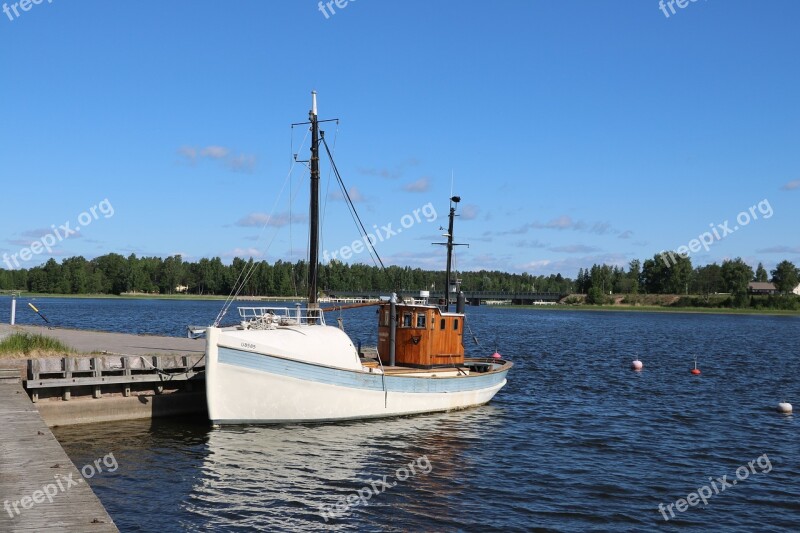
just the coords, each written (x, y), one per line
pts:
(32, 463)
(126, 377)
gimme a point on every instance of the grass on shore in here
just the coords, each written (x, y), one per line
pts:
(22, 344)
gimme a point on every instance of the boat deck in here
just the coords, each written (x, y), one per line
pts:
(402, 370)
(416, 372)
(479, 365)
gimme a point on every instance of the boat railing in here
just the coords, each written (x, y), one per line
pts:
(269, 317)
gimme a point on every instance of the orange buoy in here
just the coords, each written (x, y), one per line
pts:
(696, 371)
(637, 365)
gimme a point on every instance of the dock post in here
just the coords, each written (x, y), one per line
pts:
(392, 328)
(13, 308)
(157, 364)
(69, 365)
(98, 373)
(33, 374)
(126, 371)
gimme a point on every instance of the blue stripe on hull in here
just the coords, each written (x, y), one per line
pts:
(353, 379)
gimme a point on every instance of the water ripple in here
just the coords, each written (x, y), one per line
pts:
(575, 442)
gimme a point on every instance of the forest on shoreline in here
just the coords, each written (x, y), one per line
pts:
(714, 285)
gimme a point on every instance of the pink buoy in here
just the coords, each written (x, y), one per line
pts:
(496, 355)
(637, 365)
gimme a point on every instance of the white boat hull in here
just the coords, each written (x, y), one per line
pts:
(245, 387)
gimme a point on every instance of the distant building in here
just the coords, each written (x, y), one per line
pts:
(761, 287)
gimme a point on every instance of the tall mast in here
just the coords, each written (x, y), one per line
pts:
(313, 212)
(450, 245)
(448, 279)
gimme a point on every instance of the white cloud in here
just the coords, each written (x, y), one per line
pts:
(235, 162)
(243, 253)
(215, 152)
(387, 173)
(241, 163)
(470, 212)
(565, 222)
(780, 250)
(560, 223)
(525, 243)
(355, 195)
(277, 220)
(189, 153)
(575, 249)
(421, 185)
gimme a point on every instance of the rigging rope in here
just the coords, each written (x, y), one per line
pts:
(376, 258)
(248, 271)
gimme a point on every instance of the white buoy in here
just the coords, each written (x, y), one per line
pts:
(785, 407)
(637, 365)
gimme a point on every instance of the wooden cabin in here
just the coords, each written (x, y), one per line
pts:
(425, 337)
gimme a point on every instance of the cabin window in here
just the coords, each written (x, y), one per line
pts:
(406, 320)
(455, 324)
(421, 320)
(442, 324)
(385, 318)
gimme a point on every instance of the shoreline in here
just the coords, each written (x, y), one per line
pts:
(559, 307)
(199, 297)
(655, 309)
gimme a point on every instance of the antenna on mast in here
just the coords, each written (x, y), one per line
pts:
(450, 285)
(452, 180)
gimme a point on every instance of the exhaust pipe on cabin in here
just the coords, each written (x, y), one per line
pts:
(392, 328)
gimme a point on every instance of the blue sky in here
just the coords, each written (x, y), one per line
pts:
(578, 132)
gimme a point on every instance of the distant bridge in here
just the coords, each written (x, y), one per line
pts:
(473, 297)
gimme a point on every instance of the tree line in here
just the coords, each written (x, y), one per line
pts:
(670, 273)
(115, 274)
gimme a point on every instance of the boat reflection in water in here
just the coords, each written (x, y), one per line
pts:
(293, 477)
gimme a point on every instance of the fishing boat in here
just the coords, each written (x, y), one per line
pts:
(286, 365)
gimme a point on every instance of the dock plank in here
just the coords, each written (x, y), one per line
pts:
(30, 459)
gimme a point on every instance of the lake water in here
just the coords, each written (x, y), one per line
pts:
(575, 442)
